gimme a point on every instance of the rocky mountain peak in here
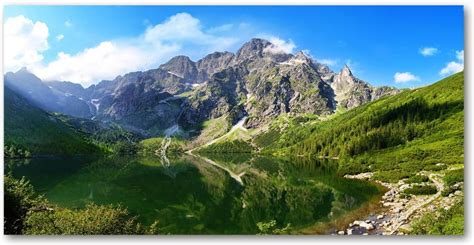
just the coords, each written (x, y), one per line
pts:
(252, 49)
(181, 66)
(346, 71)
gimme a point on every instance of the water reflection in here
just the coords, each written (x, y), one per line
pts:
(192, 196)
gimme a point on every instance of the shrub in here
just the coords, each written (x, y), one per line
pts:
(93, 220)
(19, 198)
(421, 190)
(454, 176)
(417, 179)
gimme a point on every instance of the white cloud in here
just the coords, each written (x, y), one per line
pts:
(454, 66)
(105, 61)
(184, 28)
(329, 62)
(68, 23)
(279, 46)
(451, 68)
(221, 28)
(25, 40)
(428, 51)
(59, 37)
(179, 34)
(403, 77)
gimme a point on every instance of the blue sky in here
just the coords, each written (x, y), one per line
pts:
(89, 43)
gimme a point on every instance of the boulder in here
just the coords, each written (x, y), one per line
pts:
(366, 225)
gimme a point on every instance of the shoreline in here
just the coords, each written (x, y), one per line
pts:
(396, 211)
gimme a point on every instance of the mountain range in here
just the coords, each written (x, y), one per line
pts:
(259, 82)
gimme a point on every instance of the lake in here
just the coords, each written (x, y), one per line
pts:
(216, 194)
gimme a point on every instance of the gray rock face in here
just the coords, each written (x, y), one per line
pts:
(213, 63)
(182, 67)
(352, 92)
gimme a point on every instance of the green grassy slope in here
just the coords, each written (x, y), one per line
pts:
(30, 128)
(394, 136)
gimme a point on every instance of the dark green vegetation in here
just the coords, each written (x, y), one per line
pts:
(417, 179)
(190, 196)
(29, 130)
(28, 213)
(441, 222)
(421, 190)
(110, 137)
(454, 176)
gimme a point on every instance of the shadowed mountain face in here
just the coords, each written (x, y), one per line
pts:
(259, 81)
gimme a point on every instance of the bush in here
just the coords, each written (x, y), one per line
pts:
(417, 179)
(391, 176)
(421, 190)
(28, 213)
(93, 220)
(454, 176)
(19, 198)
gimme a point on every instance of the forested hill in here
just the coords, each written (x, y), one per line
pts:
(30, 130)
(423, 126)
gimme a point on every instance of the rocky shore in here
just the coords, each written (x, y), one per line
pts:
(399, 210)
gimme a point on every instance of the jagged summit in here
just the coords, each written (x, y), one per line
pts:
(252, 49)
(346, 71)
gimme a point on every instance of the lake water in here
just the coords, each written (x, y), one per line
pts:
(218, 194)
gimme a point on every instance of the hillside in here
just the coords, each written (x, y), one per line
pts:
(38, 132)
(396, 136)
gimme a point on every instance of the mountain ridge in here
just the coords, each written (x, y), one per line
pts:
(259, 80)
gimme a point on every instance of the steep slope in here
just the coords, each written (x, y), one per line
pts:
(46, 97)
(405, 133)
(352, 92)
(30, 128)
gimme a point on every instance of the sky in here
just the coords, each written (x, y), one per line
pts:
(402, 46)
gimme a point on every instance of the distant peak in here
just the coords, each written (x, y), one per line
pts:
(346, 71)
(259, 40)
(23, 69)
(302, 55)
